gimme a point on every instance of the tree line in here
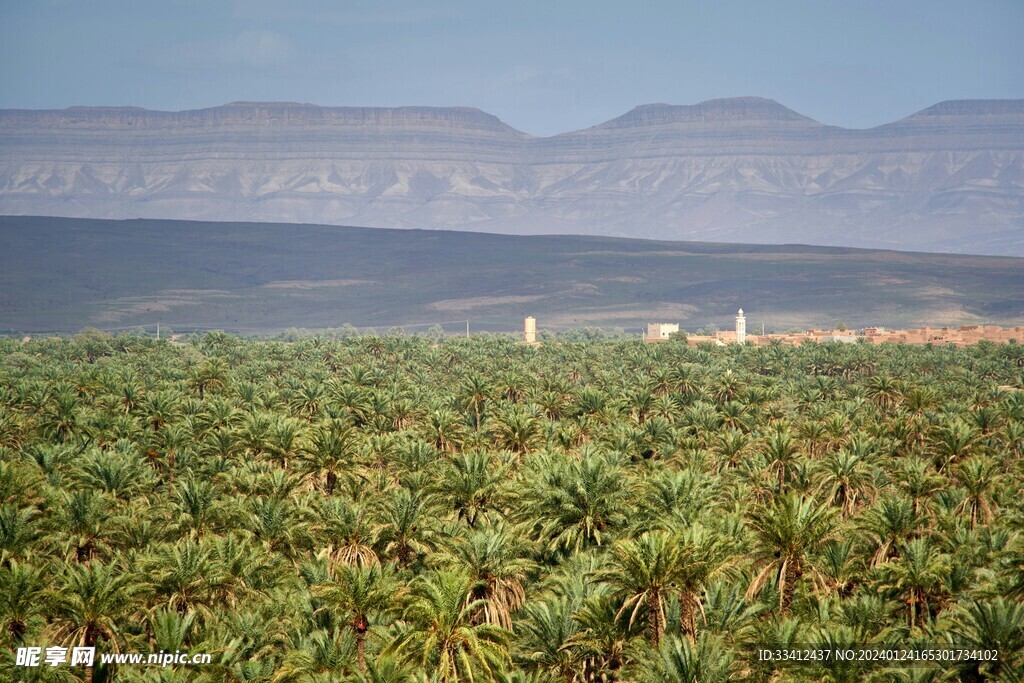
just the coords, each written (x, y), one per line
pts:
(445, 509)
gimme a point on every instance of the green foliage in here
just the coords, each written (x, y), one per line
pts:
(398, 508)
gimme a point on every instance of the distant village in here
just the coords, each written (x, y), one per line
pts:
(957, 336)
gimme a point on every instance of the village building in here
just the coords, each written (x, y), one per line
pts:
(660, 331)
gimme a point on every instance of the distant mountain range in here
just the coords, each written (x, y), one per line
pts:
(947, 179)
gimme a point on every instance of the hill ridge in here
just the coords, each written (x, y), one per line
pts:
(949, 177)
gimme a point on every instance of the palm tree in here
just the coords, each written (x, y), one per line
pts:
(186, 577)
(993, 624)
(979, 477)
(330, 451)
(731, 445)
(814, 432)
(574, 504)
(318, 656)
(18, 530)
(211, 375)
(671, 498)
(603, 645)
(845, 478)
(21, 598)
(917, 479)
(517, 429)
(161, 408)
(278, 523)
(547, 630)
(704, 555)
(727, 387)
(404, 531)
(916, 576)
(954, 441)
(386, 669)
(344, 530)
(783, 454)
(91, 604)
(446, 434)
(359, 594)
(472, 485)
(442, 638)
(644, 572)
(247, 569)
(199, 510)
(474, 395)
(888, 523)
(60, 422)
(495, 564)
(884, 391)
(677, 659)
(82, 518)
(785, 532)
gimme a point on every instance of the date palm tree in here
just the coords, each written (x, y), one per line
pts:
(360, 595)
(916, 576)
(475, 393)
(186, 578)
(704, 556)
(517, 429)
(82, 523)
(21, 598)
(785, 532)
(18, 531)
(404, 531)
(345, 532)
(441, 637)
(953, 442)
(844, 479)
(677, 659)
(496, 564)
(92, 604)
(979, 477)
(572, 505)
(472, 485)
(644, 572)
(891, 521)
(783, 454)
(329, 452)
(603, 646)
(993, 624)
(317, 656)
(547, 630)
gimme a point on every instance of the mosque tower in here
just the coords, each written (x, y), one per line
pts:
(741, 328)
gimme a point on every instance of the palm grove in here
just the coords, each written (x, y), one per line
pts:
(396, 509)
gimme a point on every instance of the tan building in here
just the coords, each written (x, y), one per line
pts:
(530, 330)
(962, 336)
(660, 331)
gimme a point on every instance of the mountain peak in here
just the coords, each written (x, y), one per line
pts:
(710, 112)
(972, 108)
(269, 113)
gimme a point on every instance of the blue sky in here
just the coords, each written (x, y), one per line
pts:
(543, 67)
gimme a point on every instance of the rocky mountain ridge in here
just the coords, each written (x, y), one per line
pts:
(948, 178)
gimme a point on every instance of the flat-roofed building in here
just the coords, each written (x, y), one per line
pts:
(657, 331)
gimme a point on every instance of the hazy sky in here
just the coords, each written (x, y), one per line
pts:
(543, 67)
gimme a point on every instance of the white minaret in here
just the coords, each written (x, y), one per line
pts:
(530, 330)
(741, 328)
